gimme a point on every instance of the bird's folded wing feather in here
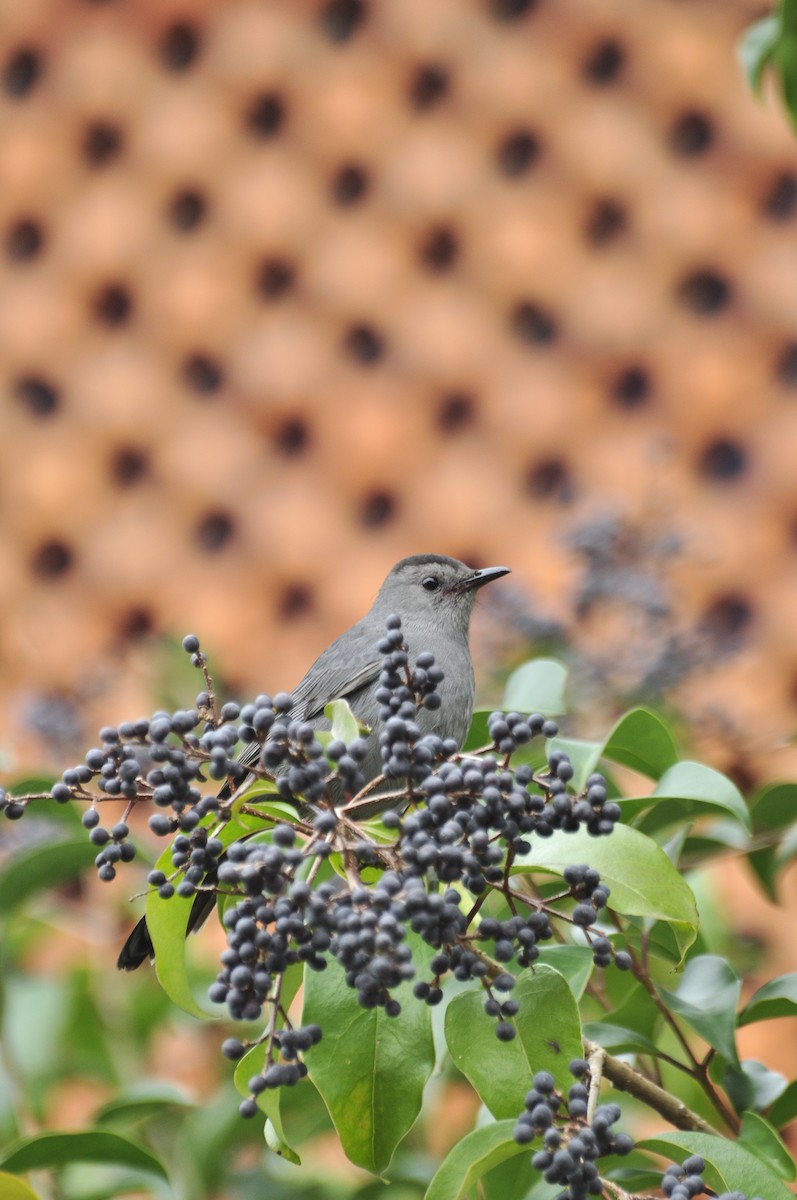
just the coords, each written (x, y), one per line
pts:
(332, 677)
(337, 682)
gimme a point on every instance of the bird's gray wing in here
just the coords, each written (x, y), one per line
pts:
(339, 683)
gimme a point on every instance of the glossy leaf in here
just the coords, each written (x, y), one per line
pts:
(750, 1085)
(371, 1069)
(548, 1037)
(471, 1158)
(642, 740)
(167, 921)
(687, 788)
(12, 1188)
(149, 1101)
(758, 1136)
(43, 868)
(54, 1150)
(730, 1167)
(619, 1039)
(344, 723)
(251, 1064)
(777, 998)
(708, 998)
(774, 807)
(512, 1179)
(584, 756)
(756, 48)
(643, 881)
(537, 686)
(573, 962)
(784, 1109)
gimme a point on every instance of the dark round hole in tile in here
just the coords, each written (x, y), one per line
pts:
(187, 210)
(22, 71)
(692, 134)
(103, 141)
(214, 531)
(341, 19)
(180, 46)
(296, 600)
(727, 617)
(780, 201)
(265, 115)
(292, 437)
(41, 397)
(136, 625)
(113, 305)
(439, 250)
(517, 153)
(604, 62)
(632, 387)
(429, 85)
(350, 185)
(511, 10)
(550, 479)
(533, 324)
(457, 410)
(705, 292)
(365, 344)
(786, 365)
(24, 240)
(606, 221)
(377, 508)
(129, 465)
(52, 559)
(723, 459)
(275, 278)
(203, 373)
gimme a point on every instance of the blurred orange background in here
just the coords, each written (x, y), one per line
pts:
(289, 290)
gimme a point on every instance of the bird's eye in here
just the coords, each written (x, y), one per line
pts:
(431, 583)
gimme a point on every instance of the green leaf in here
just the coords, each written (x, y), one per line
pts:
(573, 962)
(707, 998)
(471, 1158)
(643, 881)
(784, 1108)
(777, 998)
(730, 1167)
(687, 788)
(50, 1150)
(252, 1064)
(618, 1039)
(784, 55)
(756, 48)
(537, 686)
(758, 1136)
(43, 868)
(774, 807)
(151, 1100)
(371, 1069)
(548, 1037)
(512, 1179)
(750, 1085)
(642, 741)
(12, 1188)
(167, 921)
(344, 723)
(583, 755)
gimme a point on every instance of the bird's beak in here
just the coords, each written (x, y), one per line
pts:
(479, 578)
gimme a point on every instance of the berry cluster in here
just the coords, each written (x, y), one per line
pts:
(458, 824)
(685, 1182)
(572, 1143)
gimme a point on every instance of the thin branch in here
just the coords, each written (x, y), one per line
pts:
(627, 1079)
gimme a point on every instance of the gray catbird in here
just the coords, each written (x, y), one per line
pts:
(434, 596)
